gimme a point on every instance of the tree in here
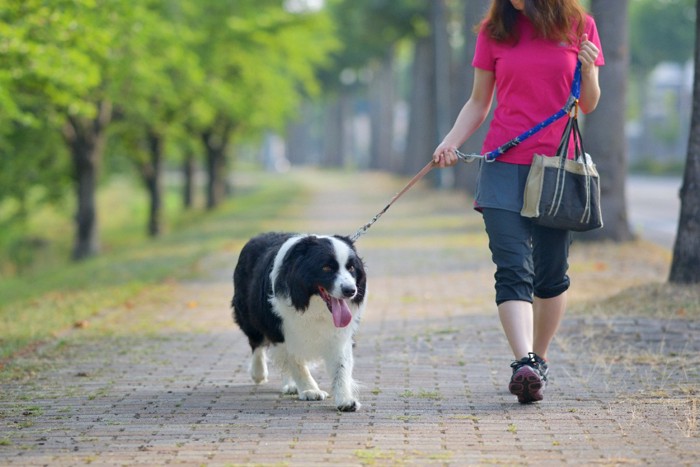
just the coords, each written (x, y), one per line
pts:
(154, 102)
(61, 68)
(604, 129)
(86, 131)
(371, 32)
(258, 63)
(472, 12)
(685, 266)
(660, 31)
(161, 70)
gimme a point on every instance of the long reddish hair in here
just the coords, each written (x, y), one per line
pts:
(553, 19)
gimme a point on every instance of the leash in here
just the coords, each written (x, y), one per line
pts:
(490, 156)
(362, 230)
(571, 105)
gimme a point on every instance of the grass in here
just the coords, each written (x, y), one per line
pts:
(40, 304)
(656, 300)
(630, 325)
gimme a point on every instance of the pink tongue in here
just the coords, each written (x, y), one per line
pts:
(341, 313)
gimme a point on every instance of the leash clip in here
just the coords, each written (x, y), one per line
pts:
(468, 158)
(573, 112)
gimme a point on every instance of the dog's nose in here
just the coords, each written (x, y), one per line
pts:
(348, 291)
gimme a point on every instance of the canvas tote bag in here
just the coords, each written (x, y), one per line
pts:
(564, 193)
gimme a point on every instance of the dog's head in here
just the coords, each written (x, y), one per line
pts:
(325, 266)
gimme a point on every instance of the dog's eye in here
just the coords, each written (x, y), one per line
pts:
(327, 269)
(351, 268)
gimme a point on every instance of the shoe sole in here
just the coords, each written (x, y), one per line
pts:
(527, 385)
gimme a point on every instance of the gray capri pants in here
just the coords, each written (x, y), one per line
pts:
(530, 260)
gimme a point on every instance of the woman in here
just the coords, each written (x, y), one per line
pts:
(526, 52)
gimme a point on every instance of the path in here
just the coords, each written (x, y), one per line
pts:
(654, 204)
(172, 387)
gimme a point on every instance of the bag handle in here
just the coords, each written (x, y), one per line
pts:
(571, 130)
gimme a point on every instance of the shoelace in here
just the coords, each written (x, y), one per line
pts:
(529, 360)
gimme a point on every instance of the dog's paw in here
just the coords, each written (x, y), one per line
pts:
(259, 379)
(313, 395)
(349, 406)
(258, 371)
(258, 375)
(290, 388)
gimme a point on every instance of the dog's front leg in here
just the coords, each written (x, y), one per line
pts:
(344, 388)
(306, 385)
(297, 377)
(258, 366)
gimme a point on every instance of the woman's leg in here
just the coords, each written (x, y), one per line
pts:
(548, 313)
(550, 258)
(509, 242)
(517, 321)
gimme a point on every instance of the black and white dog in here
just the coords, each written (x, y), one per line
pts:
(301, 296)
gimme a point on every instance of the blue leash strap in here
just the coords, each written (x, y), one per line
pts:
(570, 103)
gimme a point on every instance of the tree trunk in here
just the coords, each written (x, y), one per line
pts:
(335, 141)
(152, 174)
(422, 135)
(299, 147)
(382, 115)
(215, 146)
(685, 266)
(86, 139)
(86, 164)
(466, 174)
(604, 129)
(444, 178)
(188, 172)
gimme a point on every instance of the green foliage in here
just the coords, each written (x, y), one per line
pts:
(171, 68)
(370, 29)
(36, 306)
(45, 58)
(259, 61)
(661, 31)
(34, 162)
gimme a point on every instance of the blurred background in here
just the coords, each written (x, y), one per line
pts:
(118, 118)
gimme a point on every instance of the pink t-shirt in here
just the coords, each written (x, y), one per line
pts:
(533, 81)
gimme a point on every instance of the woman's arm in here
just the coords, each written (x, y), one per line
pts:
(469, 119)
(590, 89)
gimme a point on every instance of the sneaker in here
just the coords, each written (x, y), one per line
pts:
(528, 381)
(542, 365)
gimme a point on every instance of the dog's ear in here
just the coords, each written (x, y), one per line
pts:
(293, 280)
(360, 280)
(360, 275)
(347, 240)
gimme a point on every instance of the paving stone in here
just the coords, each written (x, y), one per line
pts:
(430, 356)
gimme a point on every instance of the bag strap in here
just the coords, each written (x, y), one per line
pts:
(571, 131)
(570, 103)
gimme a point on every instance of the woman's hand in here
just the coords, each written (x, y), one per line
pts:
(588, 53)
(590, 88)
(444, 155)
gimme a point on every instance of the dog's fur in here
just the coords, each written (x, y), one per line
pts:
(294, 294)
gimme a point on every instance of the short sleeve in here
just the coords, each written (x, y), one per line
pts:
(483, 54)
(592, 31)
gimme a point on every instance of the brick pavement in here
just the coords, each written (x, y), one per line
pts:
(430, 355)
